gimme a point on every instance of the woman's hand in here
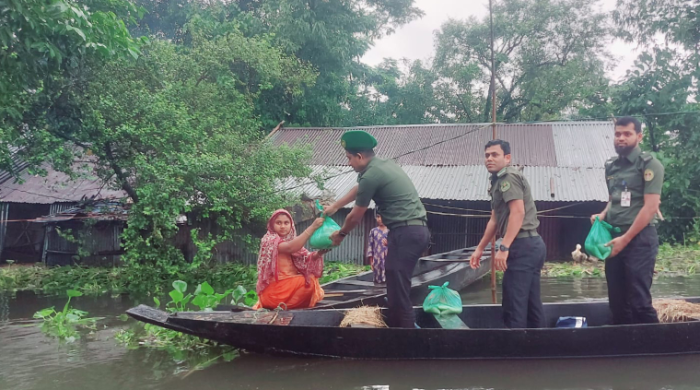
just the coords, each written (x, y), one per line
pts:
(317, 223)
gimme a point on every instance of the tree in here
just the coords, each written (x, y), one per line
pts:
(676, 20)
(177, 131)
(661, 90)
(393, 93)
(330, 35)
(43, 48)
(549, 55)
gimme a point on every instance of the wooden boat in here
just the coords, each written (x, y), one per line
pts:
(317, 333)
(452, 267)
(435, 269)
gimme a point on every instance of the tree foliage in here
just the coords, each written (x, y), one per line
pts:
(172, 99)
(44, 47)
(661, 89)
(549, 55)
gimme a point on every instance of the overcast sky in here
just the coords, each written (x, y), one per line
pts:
(415, 40)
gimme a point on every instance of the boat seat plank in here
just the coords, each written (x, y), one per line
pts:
(356, 282)
(377, 290)
(450, 321)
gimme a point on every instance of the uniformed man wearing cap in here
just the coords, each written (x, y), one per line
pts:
(522, 251)
(403, 213)
(634, 181)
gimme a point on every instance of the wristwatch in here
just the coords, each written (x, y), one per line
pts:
(342, 234)
(503, 248)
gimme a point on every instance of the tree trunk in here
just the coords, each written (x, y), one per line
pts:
(121, 176)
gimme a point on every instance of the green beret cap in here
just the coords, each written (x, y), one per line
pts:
(358, 140)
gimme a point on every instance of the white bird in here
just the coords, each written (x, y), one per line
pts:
(578, 256)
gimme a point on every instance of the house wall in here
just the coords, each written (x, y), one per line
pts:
(561, 229)
(102, 241)
(23, 240)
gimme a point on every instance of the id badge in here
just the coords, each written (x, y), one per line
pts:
(626, 199)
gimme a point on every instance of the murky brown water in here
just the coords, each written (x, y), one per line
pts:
(30, 360)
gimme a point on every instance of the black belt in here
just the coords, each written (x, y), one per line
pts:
(410, 222)
(527, 233)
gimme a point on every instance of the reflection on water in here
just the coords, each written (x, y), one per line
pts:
(29, 360)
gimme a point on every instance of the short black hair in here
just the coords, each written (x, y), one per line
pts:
(505, 146)
(627, 120)
(365, 152)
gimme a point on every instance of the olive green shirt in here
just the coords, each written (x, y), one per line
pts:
(640, 173)
(391, 189)
(510, 184)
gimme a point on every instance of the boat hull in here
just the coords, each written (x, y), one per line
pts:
(316, 333)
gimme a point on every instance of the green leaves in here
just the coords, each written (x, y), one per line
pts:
(180, 286)
(63, 324)
(251, 298)
(176, 296)
(207, 289)
(42, 40)
(238, 293)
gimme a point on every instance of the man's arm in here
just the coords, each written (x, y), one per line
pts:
(601, 216)
(515, 221)
(362, 193)
(653, 183)
(646, 214)
(489, 233)
(353, 219)
(342, 202)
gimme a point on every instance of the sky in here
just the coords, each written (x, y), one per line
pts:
(415, 40)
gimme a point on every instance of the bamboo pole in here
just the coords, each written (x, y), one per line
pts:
(493, 127)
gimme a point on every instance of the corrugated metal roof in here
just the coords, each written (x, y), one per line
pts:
(17, 165)
(56, 187)
(472, 182)
(583, 144)
(571, 184)
(577, 144)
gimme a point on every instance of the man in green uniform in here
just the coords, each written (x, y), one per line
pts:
(402, 212)
(634, 181)
(522, 251)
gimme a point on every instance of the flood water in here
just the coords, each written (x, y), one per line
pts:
(30, 360)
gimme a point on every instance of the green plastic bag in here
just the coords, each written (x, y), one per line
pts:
(442, 301)
(600, 234)
(321, 239)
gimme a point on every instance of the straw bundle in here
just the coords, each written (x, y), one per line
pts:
(364, 315)
(676, 310)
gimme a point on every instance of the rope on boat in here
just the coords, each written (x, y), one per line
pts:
(280, 307)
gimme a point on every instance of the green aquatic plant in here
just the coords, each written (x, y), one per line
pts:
(62, 324)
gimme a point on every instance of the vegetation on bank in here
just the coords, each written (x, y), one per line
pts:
(672, 260)
(141, 281)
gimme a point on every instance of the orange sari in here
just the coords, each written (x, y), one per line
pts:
(290, 288)
(291, 280)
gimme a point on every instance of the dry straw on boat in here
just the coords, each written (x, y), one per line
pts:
(364, 315)
(676, 310)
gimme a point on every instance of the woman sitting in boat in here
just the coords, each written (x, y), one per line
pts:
(287, 272)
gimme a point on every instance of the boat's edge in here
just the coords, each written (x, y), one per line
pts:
(150, 315)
